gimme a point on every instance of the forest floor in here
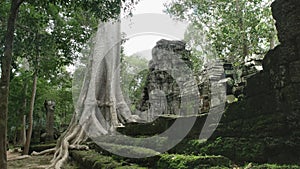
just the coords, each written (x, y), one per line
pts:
(17, 161)
(29, 162)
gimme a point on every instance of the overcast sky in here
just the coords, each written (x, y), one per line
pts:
(150, 6)
(145, 41)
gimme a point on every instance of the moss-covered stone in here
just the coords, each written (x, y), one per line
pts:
(187, 146)
(131, 167)
(247, 149)
(237, 149)
(155, 143)
(161, 124)
(127, 150)
(93, 160)
(131, 154)
(275, 166)
(176, 161)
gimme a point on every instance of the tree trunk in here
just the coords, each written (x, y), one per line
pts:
(50, 107)
(101, 106)
(23, 131)
(22, 128)
(243, 34)
(6, 60)
(30, 115)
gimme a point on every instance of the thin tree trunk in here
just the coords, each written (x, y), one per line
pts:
(5, 78)
(30, 116)
(23, 131)
(22, 134)
(243, 34)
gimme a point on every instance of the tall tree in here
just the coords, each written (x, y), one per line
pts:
(101, 106)
(30, 114)
(68, 37)
(6, 60)
(236, 29)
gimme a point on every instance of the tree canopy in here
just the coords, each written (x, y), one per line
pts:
(237, 30)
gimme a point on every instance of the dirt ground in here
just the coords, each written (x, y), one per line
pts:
(28, 162)
(31, 162)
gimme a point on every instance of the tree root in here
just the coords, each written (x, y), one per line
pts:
(74, 136)
(19, 158)
(78, 147)
(62, 150)
(49, 151)
(70, 140)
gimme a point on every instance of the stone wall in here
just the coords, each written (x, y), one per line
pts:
(269, 116)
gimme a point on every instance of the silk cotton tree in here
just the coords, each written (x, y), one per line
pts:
(100, 107)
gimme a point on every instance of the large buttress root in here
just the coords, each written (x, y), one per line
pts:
(100, 107)
(71, 138)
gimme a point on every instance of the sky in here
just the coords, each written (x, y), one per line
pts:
(150, 6)
(147, 40)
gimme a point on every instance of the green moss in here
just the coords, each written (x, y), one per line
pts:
(237, 149)
(275, 166)
(128, 150)
(93, 160)
(131, 167)
(177, 161)
(155, 143)
(186, 146)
